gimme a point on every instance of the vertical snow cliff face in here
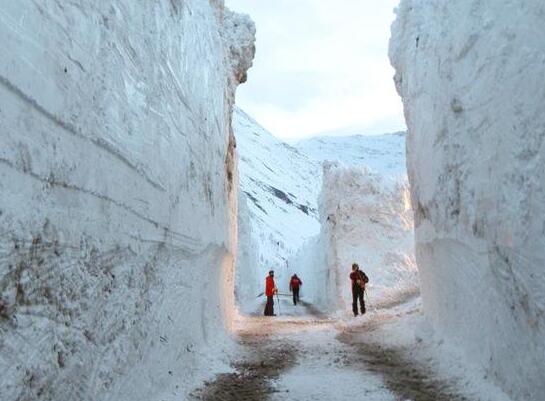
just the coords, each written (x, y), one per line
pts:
(471, 76)
(118, 187)
(365, 219)
(248, 282)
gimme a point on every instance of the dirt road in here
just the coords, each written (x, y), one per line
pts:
(303, 355)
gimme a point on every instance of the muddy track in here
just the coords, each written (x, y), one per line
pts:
(406, 378)
(264, 360)
(265, 357)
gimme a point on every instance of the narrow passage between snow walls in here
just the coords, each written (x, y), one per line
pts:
(315, 208)
(353, 214)
(469, 73)
(118, 216)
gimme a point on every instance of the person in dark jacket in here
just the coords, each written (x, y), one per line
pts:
(358, 279)
(295, 285)
(270, 290)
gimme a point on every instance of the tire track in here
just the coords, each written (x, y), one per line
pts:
(264, 360)
(406, 378)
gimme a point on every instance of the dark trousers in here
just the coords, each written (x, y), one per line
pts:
(295, 292)
(269, 307)
(357, 294)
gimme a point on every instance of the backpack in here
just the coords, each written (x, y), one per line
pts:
(362, 280)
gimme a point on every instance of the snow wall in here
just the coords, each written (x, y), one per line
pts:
(118, 195)
(366, 218)
(248, 278)
(471, 76)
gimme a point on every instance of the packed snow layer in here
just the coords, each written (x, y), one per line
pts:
(118, 195)
(280, 186)
(249, 277)
(367, 221)
(470, 73)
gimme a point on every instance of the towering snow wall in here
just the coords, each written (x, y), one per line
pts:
(248, 269)
(118, 194)
(471, 76)
(366, 218)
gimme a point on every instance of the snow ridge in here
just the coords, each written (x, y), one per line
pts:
(383, 154)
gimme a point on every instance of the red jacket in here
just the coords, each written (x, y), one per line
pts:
(359, 279)
(295, 283)
(269, 286)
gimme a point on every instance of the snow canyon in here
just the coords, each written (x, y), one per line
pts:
(130, 241)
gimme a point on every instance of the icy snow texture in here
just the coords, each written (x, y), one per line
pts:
(117, 182)
(249, 276)
(471, 76)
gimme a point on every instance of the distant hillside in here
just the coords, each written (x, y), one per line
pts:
(384, 154)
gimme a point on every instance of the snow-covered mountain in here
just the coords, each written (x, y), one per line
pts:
(383, 154)
(279, 180)
(471, 77)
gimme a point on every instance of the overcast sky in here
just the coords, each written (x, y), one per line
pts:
(320, 66)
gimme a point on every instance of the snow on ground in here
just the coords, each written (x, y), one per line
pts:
(117, 183)
(321, 362)
(470, 74)
(386, 355)
(405, 333)
(322, 372)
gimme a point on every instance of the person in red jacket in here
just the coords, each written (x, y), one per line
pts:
(295, 284)
(358, 279)
(270, 290)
